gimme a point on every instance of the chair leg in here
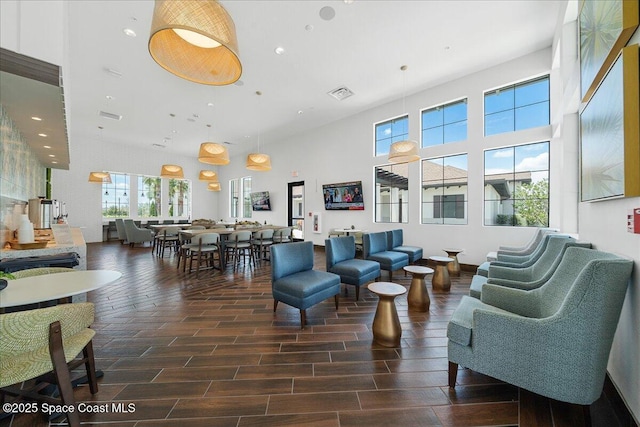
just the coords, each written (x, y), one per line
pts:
(336, 299)
(275, 304)
(390, 276)
(90, 366)
(453, 374)
(61, 371)
(586, 415)
(357, 293)
(303, 318)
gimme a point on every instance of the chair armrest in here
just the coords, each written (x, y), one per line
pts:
(516, 284)
(517, 301)
(509, 273)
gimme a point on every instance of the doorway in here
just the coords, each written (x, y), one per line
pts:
(296, 209)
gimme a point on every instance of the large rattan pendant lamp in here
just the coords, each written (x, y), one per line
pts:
(195, 40)
(213, 153)
(407, 150)
(171, 171)
(214, 186)
(207, 175)
(259, 161)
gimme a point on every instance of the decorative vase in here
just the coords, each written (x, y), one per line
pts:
(25, 231)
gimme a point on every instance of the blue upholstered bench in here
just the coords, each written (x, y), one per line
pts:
(295, 282)
(341, 260)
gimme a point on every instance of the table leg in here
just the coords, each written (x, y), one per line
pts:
(418, 297)
(441, 280)
(386, 325)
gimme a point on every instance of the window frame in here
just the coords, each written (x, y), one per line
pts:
(514, 108)
(238, 197)
(186, 199)
(394, 137)
(113, 187)
(145, 187)
(465, 101)
(401, 211)
(444, 183)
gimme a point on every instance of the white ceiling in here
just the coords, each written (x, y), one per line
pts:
(362, 48)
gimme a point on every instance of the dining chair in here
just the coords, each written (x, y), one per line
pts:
(262, 241)
(43, 344)
(282, 235)
(166, 237)
(203, 250)
(239, 245)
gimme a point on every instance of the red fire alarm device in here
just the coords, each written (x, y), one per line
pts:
(633, 221)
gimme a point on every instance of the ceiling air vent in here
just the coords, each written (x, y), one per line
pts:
(341, 93)
(110, 115)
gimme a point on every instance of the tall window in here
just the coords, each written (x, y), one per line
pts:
(516, 185)
(444, 190)
(389, 132)
(240, 197)
(517, 107)
(392, 193)
(149, 197)
(179, 198)
(444, 123)
(115, 196)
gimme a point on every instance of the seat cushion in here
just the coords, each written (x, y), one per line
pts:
(356, 271)
(460, 328)
(477, 282)
(306, 288)
(414, 252)
(390, 260)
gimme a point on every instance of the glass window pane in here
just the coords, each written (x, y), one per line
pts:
(455, 112)
(532, 157)
(383, 146)
(532, 92)
(383, 130)
(432, 118)
(400, 126)
(498, 123)
(455, 132)
(432, 136)
(499, 100)
(532, 116)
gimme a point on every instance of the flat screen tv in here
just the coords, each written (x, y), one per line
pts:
(343, 196)
(260, 201)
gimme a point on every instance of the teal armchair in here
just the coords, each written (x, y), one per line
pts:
(135, 234)
(531, 277)
(341, 259)
(554, 340)
(518, 261)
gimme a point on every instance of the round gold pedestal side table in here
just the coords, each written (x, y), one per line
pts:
(441, 280)
(386, 325)
(454, 267)
(418, 296)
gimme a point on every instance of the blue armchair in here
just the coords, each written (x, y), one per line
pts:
(375, 249)
(295, 282)
(395, 243)
(341, 260)
(531, 277)
(554, 340)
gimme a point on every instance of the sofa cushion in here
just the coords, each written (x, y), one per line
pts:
(460, 328)
(483, 269)
(477, 282)
(414, 252)
(354, 269)
(306, 283)
(390, 259)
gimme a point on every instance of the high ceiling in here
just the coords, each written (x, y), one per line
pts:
(362, 47)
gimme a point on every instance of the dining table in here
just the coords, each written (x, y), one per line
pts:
(57, 286)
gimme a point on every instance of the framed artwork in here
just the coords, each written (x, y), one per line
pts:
(605, 28)
(609, 130)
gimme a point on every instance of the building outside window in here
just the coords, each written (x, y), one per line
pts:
(444, 190)
(115, 196)
(149, 196)
(390, 131)
(517, 107)
(392, 193)
(240, 197)
(516, 186)
(179, 198)
(444, 123)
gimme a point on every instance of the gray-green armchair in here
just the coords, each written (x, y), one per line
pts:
(135, 234)
(554, 340)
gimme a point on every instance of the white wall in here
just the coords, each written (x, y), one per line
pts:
(343, 151)
(84, 199)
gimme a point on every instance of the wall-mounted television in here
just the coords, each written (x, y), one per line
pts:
(260, 201)
(343, 196)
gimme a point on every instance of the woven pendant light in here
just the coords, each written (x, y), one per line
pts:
(214, 186)
(195, 40)
(208, 176)
(171, 171)
(407, 150)
(259, 162)
(100, 177)
(213, 153)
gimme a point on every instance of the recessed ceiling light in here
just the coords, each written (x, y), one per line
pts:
(52, 155)
(46, 146)
(129, 32)
(44, 135)
(209, 104)
(308, 27)
(300, 112)
(110, 98)
(37, 119)
(174, 131)
(327, 13)
(54, 162)
(279, 50)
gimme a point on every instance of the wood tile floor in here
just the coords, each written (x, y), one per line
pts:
(211, 352)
